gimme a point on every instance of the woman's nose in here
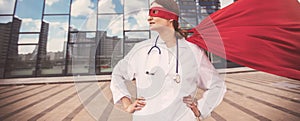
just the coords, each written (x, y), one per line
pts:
(150, 18)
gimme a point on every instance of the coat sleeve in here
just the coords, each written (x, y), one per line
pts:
(123, 71)
(212, 83)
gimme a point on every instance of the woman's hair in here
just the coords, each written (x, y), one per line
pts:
(171, 5)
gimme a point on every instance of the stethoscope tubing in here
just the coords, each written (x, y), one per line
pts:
(177, 77)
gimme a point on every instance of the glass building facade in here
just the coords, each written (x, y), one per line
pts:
(67, 37)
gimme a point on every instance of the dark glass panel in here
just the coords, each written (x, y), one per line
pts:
(5, 32)
(53, 58)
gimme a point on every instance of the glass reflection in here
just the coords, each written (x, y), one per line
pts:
(5, 32)
(5, 19)
(132, 38)
(82, 48)
(136, 36)
(136, 14)
(112, 24)
(110, 34)
(110, 6)
(30, 12)
(106, 45)
(136, 20)
(135, 5)
(7, 6)
(57, 6)
(53, 60)
(28, 38)
(85, 18)
(24, 62)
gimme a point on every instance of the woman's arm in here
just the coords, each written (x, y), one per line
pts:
(212, 83)
(130, 107)
(125, 71)
(192, 103)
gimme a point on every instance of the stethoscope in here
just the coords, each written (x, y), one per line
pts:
(176, 78)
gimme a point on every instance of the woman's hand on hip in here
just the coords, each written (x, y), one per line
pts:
(192, 103)
(137, 105)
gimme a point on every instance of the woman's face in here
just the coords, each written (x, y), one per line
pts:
(157, 23)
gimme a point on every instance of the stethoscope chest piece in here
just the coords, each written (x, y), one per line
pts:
(177, 78)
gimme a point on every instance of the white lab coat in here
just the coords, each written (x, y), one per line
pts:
(164, 97)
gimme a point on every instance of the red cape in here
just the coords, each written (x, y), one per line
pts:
(260, 34)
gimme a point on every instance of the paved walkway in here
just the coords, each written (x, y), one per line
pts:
(251, 96)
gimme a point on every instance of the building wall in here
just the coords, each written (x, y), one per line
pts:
(78, 37)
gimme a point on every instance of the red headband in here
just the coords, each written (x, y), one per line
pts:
(162, 13)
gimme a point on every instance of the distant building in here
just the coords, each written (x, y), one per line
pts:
(9, 36)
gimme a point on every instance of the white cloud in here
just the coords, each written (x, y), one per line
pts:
(90, 23)
(5, 19)
(140, 17)
(26, 49)
(225, 3)
(107, 6)
(7, 6)
(82, 7)
(30, 25)
(135, 5)
(115, 27)
(51, 2)
(57, 36)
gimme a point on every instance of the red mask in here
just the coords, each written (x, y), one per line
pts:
(162, 13)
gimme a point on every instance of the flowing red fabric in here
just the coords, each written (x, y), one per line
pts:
(260, 34)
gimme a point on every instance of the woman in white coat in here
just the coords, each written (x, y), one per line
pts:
(168, 70)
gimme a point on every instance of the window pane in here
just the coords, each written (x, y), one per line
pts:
(136, 36)
(7, 6)
(28, 38)
(84, 15)
(5, 19)
(83, 58)
(30, 12)
(23, 63)
(105, 49)
(135, 5)
(57, 6)
(188, 23)
(136, 14)
(110, 6)
(54, 60)
(136, 20)
(112, 24)
(82, 52)
(5, 31)
(82, 37)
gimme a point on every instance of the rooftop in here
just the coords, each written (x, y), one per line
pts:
(252, 95)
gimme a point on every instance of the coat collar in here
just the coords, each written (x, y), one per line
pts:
(181, 42)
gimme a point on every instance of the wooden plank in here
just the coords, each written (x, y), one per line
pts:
(259, 108)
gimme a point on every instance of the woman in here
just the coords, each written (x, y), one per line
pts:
(168, 70)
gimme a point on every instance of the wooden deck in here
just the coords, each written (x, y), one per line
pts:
(251, 96)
